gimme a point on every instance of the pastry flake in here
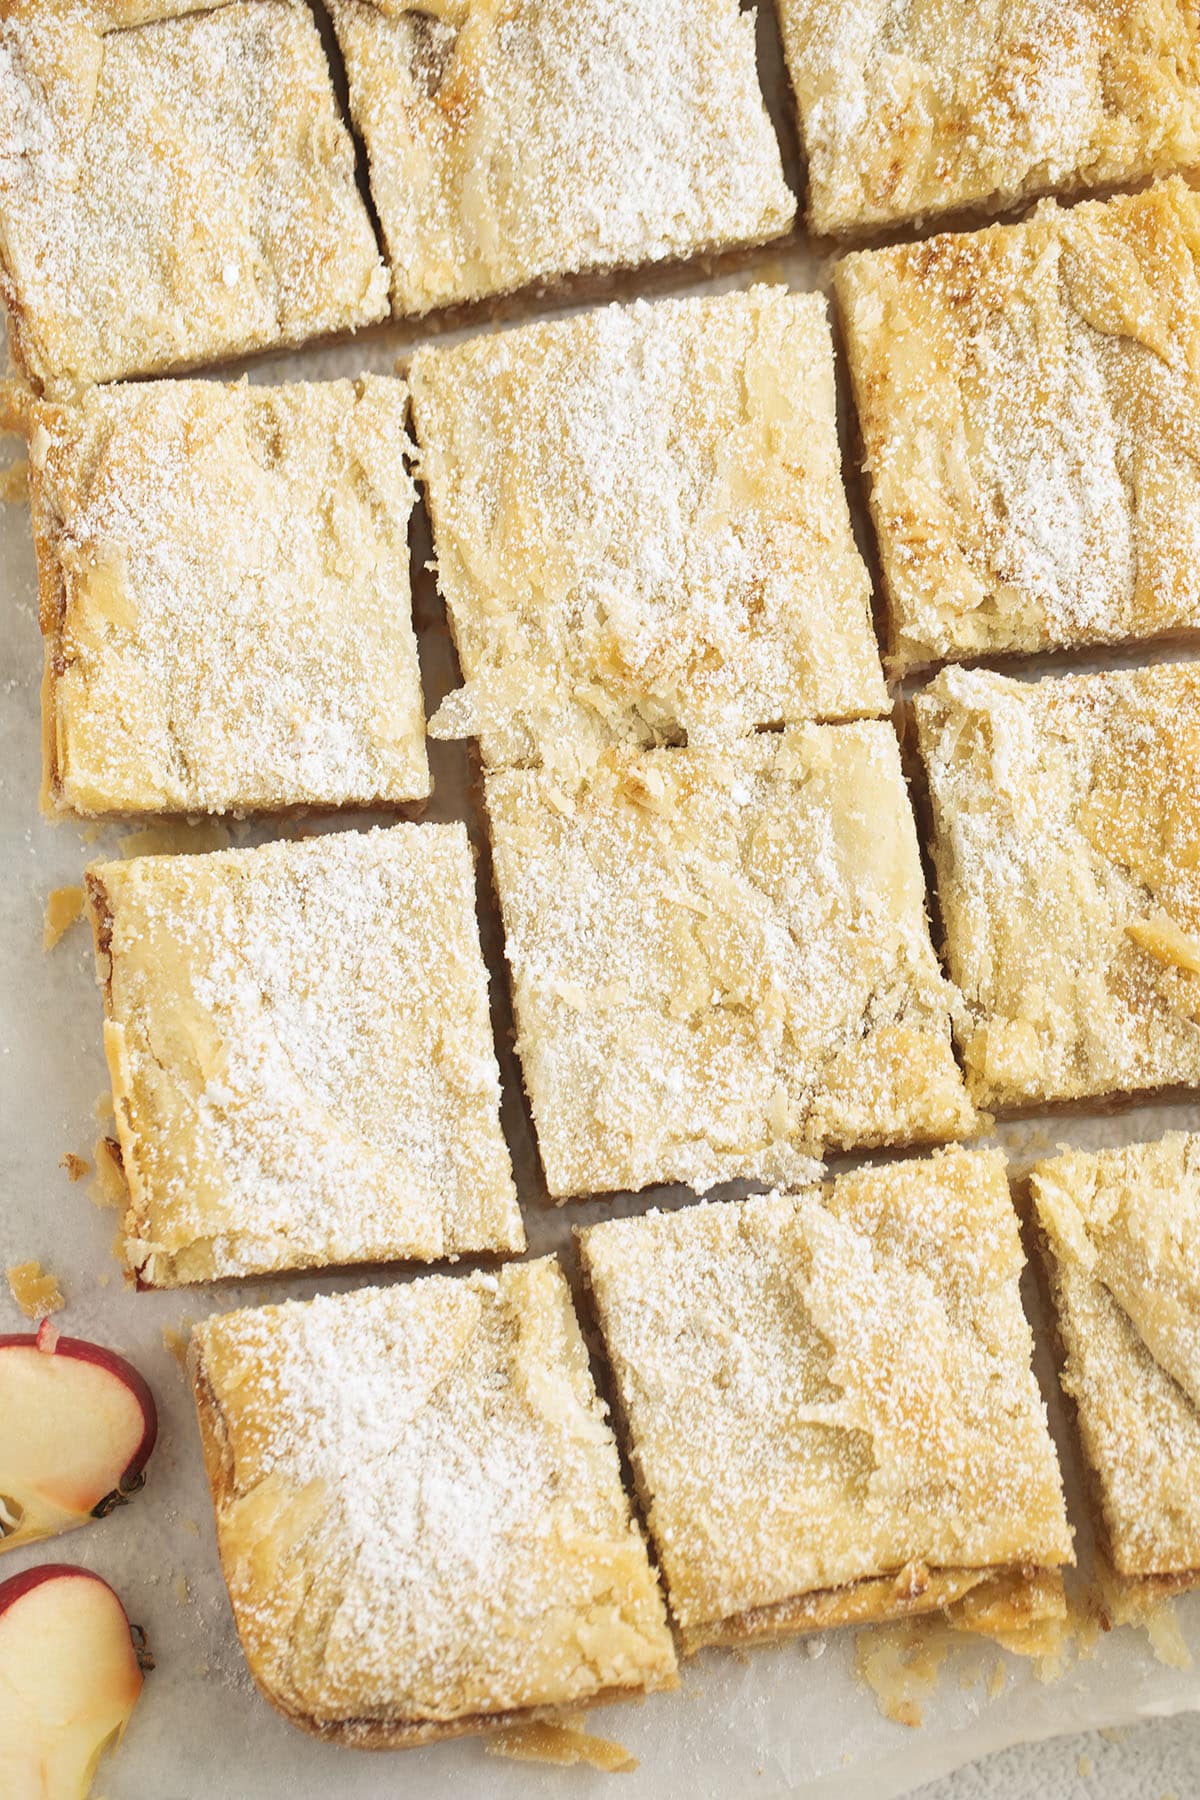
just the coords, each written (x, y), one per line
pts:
(908, 109)
(224, 594)
(1067, 850)
(538, 139)
(829, 1406)
(419, 1509)
(1028, 398)
(1121, 1238)
(721, 961)
(301, 1056)
(174, 193)
(641, 529)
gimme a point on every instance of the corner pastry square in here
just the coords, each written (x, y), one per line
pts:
(1027, 397)
(641, 529)
(174, 193)
(829, 1405)
(1121, 1233)
(301, 1055)
(224, 578)
(908, 109)
(721, 962)
(542, 138)
(1067, 847)
(419, 1509)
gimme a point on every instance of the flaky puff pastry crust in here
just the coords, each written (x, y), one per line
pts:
(224, 595)
(1067, 848)
(908, 108)
(721, 961)
(511, 141)
(641, 530)
(419, 1509)
(1028, 398)
(174, 193)
(1121, 1239)
(829, 1406)
(301, 1056)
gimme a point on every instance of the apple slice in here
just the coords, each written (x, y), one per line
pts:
(77, 1425)
(70, 1675)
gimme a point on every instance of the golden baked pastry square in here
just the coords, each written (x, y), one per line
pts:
(721, 962)
(908, 109)
(1121, 1237)
(224, 585)
(301, 1055)
(829, 1407)
(1067, 847)
(1027, 397)
(174, 193)
(419, 1509)
(543, 138)
(641, 529)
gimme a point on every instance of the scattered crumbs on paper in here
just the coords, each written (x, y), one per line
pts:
(176, 1340)
(814, 1647)
(1114, 1734)
(182, 1591)
(900, 1664)
(35, 1292)
(91, 834)
(76, 1166)
(191, 1525)
(1085, 1768)
(562, 1745)
(64, 905)
(107, 1189)
(997, 1677)
(14, 481)
(170, 840)
(102, 1110)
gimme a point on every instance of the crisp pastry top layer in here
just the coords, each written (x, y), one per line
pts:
(909, 108)
(224, 593)
(721, 961)
(419, 1505)
(1123, 1230)
(825, 1387)
(174, 193)
(641, 529)
(1067, 819)
(1029, 398)
(301, 1054)
(511, 140)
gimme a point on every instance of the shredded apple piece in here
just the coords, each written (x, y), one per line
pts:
(562, 1745)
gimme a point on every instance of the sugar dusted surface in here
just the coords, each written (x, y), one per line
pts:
(419, 1505)
(909, 108)
(301, 1055)
(225, 596)
(1067, 848)
(721, 961)
(538, 139)
(1027, 397)
(641, 530)
(1122, 1230)
(825, 1387)
(175, 193)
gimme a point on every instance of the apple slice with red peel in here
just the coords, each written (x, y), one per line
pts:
(77, 1425)
(70, 1675)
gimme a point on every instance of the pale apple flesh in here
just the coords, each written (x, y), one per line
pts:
(77, 1425)
(69, 1679)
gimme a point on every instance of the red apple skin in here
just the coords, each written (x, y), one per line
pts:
(53, 1343)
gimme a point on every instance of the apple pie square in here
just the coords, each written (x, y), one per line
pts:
(721, 962)
(224, 594)
(908, 109)
(1121, 1237)
(419, 1509)
(1027, 397)
(1067, 846)
(173, 193)
(641, 530)
(301, 1054)
(522, 143)
(829, 1407)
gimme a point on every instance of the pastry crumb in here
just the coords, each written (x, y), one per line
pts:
(35, 1292)
(64, 906)
(76, 1166)
(176, 1342)
(561, 1745)
(1085, 1768)
(107, 1190)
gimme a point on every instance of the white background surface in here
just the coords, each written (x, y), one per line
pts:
(779, 1721)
